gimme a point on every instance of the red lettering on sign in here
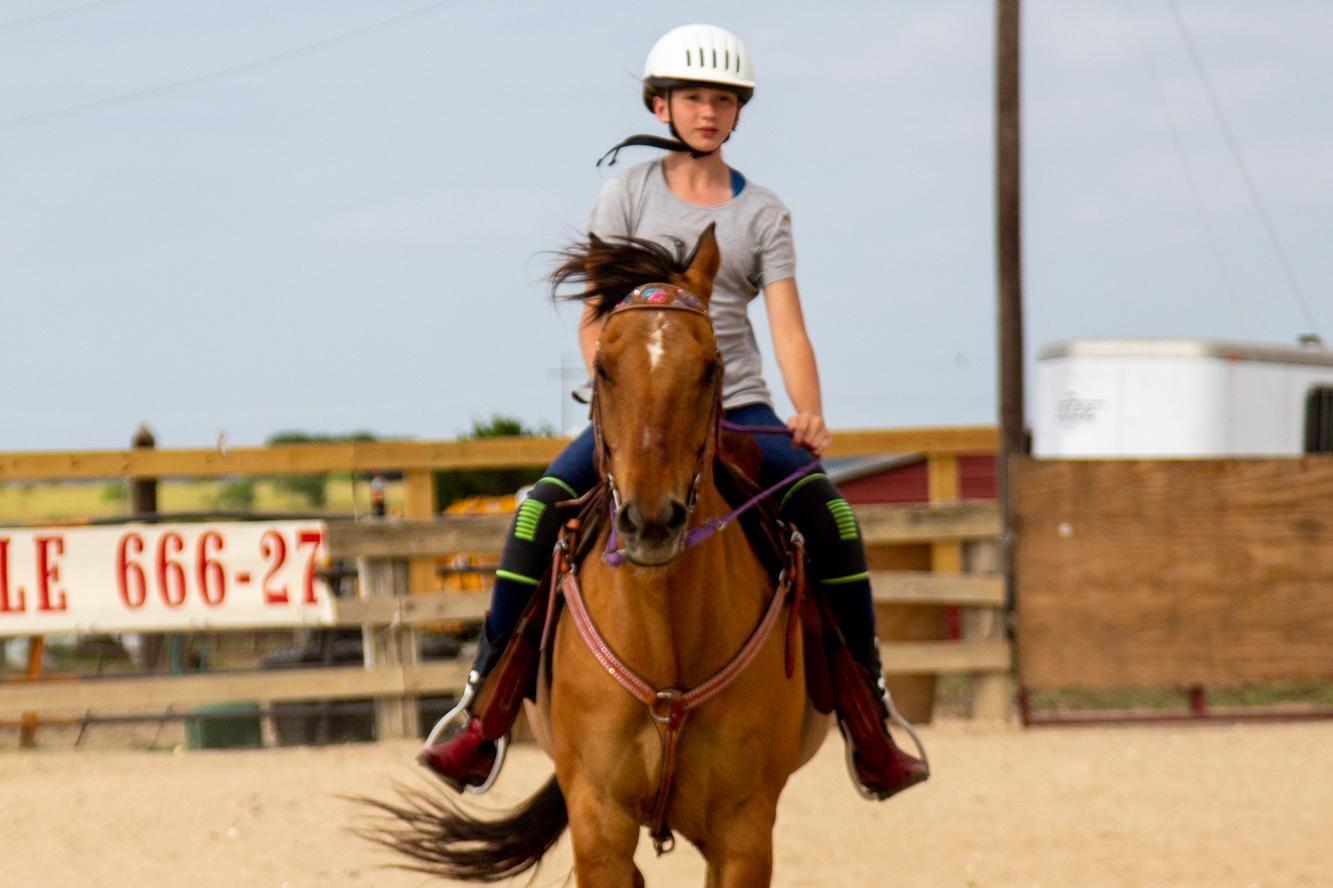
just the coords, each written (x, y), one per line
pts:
(212, 576)
(170, 575)
(313, 539)
(48, 573)
(274, 547)
(130, 579)
(6, 605)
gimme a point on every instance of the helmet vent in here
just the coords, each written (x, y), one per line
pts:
(727, 56)
(688, 63)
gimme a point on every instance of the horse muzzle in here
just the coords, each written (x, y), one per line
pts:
(653, 537)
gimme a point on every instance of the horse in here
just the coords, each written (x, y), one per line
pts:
(719, 719)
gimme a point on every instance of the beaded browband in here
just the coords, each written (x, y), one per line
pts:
(661, 296)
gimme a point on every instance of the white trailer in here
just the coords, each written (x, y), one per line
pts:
(1182, 397)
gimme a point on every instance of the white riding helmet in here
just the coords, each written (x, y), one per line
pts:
(694, 55)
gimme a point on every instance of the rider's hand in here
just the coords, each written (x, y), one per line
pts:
(808, 431)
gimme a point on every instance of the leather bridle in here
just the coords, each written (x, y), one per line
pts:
(655, 297)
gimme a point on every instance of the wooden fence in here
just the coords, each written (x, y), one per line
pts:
(395, 560)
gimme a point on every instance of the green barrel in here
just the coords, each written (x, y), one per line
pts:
(239, 730)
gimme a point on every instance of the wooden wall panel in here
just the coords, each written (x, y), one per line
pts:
(1166, 573)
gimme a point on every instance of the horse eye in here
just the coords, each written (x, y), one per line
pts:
(601, 371)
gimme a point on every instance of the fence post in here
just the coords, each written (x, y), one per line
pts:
(391, 646)
(990, 690)
(143, 503)
(943, 486)
(143, 491)
(419, 505)
(28, 724)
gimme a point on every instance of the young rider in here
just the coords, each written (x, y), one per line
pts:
(696, 80)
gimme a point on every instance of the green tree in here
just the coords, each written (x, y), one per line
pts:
(236, 494)
(313, 488)
(456, 484)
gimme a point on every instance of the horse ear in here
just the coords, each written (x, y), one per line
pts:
(596, 250)
(703, 264)
(594, 259)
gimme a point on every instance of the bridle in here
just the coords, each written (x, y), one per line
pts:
(667, 297)
(655, 297)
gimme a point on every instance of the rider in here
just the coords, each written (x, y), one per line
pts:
(696, 80)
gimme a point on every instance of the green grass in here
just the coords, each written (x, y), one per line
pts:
(27, 503)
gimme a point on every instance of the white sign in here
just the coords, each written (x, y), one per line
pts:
(162, 577)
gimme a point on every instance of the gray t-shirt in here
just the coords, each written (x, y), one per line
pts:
(754, 236)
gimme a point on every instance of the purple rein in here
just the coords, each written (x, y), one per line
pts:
(615, 556)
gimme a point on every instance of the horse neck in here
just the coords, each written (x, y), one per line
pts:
(690, 617)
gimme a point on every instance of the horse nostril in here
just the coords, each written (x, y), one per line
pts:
(630, 520)
(678, 516)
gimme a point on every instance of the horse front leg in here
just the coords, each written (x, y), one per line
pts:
(739, 850)
(604, 840)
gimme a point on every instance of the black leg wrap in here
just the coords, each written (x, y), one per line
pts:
(837, 558)
(525, 557)
(832, 534)
(534, 530)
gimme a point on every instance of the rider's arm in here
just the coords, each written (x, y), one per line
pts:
(796, 360)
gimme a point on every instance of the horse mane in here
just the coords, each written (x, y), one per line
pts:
(610, 268)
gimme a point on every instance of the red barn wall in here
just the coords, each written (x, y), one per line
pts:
(908, 483)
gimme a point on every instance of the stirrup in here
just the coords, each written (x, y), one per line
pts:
(895, 718)
(461, 713)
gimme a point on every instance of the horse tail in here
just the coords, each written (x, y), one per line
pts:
(443, 840)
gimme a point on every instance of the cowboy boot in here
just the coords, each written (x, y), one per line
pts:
(456, 749)
(879, 768)
(466, 748)
(842, 582)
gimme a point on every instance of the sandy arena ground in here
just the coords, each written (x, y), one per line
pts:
(1216, 805)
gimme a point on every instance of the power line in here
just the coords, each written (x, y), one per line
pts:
(1269, 228)
(1155, 78)
(9, 122)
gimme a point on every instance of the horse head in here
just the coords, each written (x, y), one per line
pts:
(656, 387)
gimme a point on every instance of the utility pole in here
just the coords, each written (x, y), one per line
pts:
(1009, 264)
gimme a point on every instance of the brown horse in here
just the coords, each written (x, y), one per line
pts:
(677, 615)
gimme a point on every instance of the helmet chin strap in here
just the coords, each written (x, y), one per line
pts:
(647, 141)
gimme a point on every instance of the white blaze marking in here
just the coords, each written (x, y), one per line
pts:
(655, 349)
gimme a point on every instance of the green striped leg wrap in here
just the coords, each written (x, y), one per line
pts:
(526, 553)
(837, 557)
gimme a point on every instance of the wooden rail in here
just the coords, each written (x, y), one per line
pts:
(159, 693)
(407, 456)
(880, 525)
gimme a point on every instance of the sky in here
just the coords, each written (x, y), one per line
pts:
(238, 217)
